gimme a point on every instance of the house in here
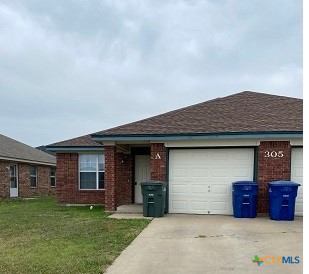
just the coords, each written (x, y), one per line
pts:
(199, 150)
(25, 171)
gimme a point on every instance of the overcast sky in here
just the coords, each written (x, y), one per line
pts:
(69, 68)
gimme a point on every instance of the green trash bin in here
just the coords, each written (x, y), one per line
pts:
(154, 195)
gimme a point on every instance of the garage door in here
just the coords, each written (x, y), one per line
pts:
(297, 176)
(200, 179)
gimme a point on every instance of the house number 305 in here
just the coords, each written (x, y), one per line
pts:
(273, 154)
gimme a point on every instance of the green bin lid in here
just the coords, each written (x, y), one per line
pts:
(158, 183)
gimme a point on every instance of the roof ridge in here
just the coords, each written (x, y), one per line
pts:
(245, 111)
(189, 107)
(165, 113)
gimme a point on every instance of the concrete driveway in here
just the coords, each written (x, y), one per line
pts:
(213, 244)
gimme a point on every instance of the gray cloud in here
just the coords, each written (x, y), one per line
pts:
(69, 68)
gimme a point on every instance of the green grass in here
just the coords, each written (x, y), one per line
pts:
(37, 236)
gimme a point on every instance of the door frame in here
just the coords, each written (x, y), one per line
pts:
(17, 183)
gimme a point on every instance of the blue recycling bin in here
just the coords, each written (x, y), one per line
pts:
(282, 195)
(244, 199)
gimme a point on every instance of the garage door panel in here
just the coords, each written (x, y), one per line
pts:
(219, 189)
(198, 189)
(198, 156)
(179, 189)
(219, 172)
(198, 205)
(199, 172)
(219, 207)
(180, 156)
(241, 172)
(179, 206)
(297, 176)
(220, 155)
(208, 175)
(299, 208)
(241, 155)
(179, 173)
(300, 194)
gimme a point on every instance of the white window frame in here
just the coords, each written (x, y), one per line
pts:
(34, 176)
(97, 171)
(52, 177)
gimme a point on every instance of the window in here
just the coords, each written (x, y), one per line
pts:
(52, 177)
(33, 176)
(91, 171)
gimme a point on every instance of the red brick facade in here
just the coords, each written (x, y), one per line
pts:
(158, 162)
(110, 178)
(68, 191)
(274, 163)
(118, 180)
(24, 190)
(124, 187)
(4, 179)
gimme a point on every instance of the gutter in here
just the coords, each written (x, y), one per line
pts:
(26, 161)
(74, 148)
(197, 136)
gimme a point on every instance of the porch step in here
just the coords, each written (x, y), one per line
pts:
(130, 209)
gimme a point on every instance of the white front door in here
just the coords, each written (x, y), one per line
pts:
(297, 177)
(200, 180)
(142, 174)
(13, 180)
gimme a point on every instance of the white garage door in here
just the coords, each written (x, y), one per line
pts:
(297, 177)
(200, 179)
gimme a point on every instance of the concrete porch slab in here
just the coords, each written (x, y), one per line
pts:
(130, 209)
(128, 216)
(134, 211)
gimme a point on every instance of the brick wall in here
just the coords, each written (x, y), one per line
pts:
(158, 161)
(110, 178)
(124, 181)
(43, 181)
(272, 168)
(4, 180)
(24, 189)
(68, 185)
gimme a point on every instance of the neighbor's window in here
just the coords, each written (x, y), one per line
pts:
(91, 171)
(33, 176)
(52, 177)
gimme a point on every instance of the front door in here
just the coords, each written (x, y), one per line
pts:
(142, 174)
(13, 181)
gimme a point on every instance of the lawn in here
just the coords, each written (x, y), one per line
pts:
(37, 236)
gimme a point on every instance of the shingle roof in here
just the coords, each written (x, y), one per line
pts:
(247, 111)
(82, 141)
(244, 112)
(12, 149)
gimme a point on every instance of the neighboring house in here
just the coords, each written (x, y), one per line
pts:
(199, 150)
(25, 171)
